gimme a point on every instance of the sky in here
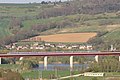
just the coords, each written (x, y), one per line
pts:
(24, 1)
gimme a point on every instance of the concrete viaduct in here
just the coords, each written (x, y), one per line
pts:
(71, 54)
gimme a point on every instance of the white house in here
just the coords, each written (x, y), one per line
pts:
(69, 47)
(83, 47)
(75, 46)
(61, 46)
(89, 47)
(36, 44)
(19, 47)
(47, 44)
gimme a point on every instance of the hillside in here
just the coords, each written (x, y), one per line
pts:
(4, 31)
(23, 21)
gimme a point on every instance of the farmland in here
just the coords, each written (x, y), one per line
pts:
(68, 37)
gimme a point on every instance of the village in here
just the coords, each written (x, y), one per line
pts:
(46, 46)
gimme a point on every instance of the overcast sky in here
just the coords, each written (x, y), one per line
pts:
(24, 1)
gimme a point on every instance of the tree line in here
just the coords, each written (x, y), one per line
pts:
(81, 7)
(105, 64)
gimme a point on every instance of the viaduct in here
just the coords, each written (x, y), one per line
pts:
(71, 54)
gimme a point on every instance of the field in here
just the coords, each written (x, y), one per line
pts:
(46, 75)
(68, 37)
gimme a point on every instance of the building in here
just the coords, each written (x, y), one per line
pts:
(89, 47)
(94, 74)
(82, 47)
(61, 46)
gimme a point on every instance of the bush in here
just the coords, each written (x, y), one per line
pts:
(94, 78)
(9, 75)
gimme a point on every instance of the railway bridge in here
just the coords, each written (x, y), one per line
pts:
(71, 54)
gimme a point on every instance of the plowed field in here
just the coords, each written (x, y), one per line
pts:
(69, 37)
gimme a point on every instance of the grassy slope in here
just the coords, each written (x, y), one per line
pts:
(115, 34)
(19, 10)
(14, 10)
(91, 24)
(4, 31)
(87, 23)
(29, 23)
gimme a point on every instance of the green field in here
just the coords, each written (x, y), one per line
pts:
(48, 74)
(113, 34)
(9, 66)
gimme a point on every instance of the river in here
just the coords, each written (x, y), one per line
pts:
(62, 66)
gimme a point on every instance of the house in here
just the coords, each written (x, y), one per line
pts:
(31, 47)
(13, 47)
(36, 47)
(14, 44)
(89, 47)
(47, 44)
(61, 46)
(82, 47)
(75, 46)
(25, 47)
(52, 45)
(8, 46)
(41, 47)
(19, 47)
(69, 47)
(35, 44)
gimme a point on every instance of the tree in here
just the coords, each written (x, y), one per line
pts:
(43, 2)
(106, 65)
(15, 25)
(27, 64)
